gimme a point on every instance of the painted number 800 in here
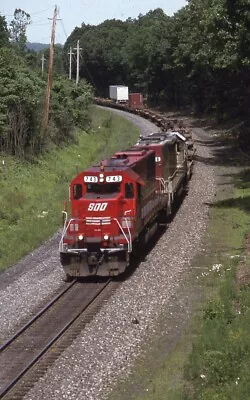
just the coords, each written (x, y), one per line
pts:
(97, 206)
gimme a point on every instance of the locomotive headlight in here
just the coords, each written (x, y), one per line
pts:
(80, 237)
(106, 237)
(101, 175)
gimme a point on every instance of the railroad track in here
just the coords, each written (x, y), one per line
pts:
(158, 118)
(163, 122)
(26, 356)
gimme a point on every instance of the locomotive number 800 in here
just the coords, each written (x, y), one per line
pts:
(97, 206)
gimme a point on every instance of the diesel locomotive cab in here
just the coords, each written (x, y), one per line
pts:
(97, 237)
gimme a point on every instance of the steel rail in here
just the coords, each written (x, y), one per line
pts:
(46, 348)
(33, 319)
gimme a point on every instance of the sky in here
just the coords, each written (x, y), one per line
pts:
(73, 12)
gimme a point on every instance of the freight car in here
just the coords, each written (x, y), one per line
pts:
(164, 123)
(117, 204)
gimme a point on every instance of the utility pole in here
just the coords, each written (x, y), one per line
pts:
(70, 61)
(77, 48)
(43, 59)
(50, 70)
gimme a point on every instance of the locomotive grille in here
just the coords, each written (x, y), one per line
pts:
(98, 221)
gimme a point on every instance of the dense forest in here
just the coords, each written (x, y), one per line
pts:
(197, 59)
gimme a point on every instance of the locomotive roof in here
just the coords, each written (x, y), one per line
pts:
(122, 160)
(97, 169)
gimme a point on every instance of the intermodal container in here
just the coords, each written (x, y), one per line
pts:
(136, 100)
(118, 93)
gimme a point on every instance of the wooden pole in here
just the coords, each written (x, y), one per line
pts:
(50, 71)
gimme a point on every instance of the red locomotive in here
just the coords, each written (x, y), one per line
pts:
(117, 204)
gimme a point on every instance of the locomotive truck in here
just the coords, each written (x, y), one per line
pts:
(117, 204)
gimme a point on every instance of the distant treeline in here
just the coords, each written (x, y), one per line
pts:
(36, 46)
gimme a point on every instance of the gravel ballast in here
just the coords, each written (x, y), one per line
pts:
(109, 345)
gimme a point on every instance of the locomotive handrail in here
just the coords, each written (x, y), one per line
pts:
(65, 219)
(65, 227)
(67, 223)
(129, 240)
(168, 181)
(129, 232)
(167, 184)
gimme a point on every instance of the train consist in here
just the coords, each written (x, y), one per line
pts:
(117, 204)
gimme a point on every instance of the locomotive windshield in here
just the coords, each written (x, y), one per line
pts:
(103, 188)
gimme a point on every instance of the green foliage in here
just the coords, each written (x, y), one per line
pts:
(22, 102)
(212, 52)
(102, 53)
(18, 28)
(4, 34)
(58, 66)
(220, 359)
(146, 51)
(130, 52)
(20, 106)
(69, 107)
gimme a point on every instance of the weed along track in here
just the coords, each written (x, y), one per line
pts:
(25, 357)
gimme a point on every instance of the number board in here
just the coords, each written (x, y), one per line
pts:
(113, 178)
(90, 179)
(108, 179)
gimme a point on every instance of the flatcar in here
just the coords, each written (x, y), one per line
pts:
(117, 204)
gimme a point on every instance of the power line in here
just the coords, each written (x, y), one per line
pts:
(34, 13)
(64, 30)
(45, 24)
(91, 78)
(58, 38)
(37, 22)
(39, 12)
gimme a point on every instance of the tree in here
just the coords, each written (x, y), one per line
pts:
(18, 28)
(4, 34)
(21, 104)
(58, 66)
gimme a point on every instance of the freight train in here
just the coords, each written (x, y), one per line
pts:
(118, 203)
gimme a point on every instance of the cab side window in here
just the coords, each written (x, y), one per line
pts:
(77, 191)
(129, 191)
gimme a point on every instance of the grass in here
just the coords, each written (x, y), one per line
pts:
(218, 366)
(32, 193)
